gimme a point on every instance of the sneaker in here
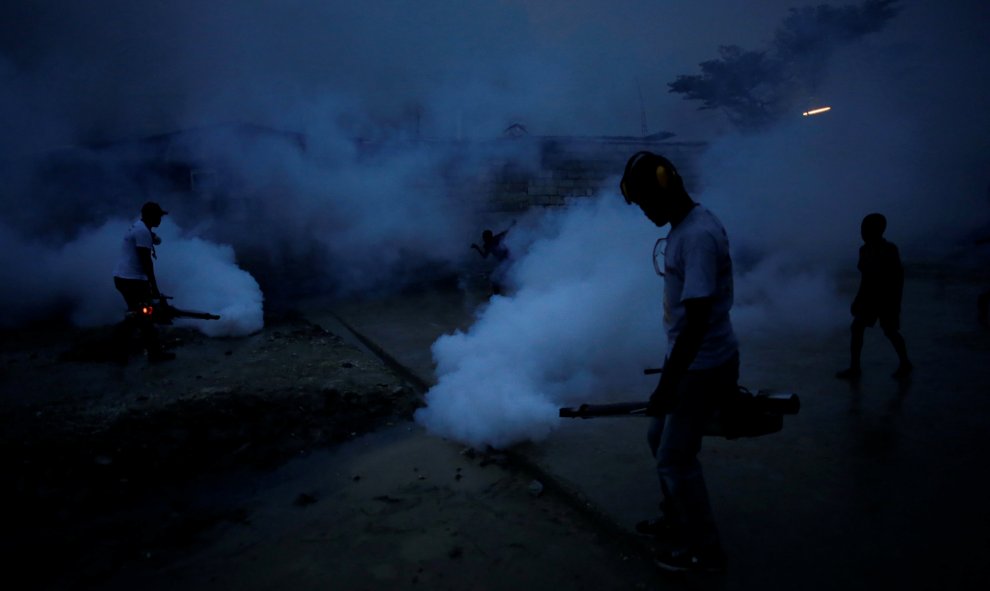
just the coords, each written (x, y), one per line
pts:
(853, 373)
(710, 561)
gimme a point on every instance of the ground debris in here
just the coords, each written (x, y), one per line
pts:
(304, 500)
(497, 458)
(90, 437)
(387, 499)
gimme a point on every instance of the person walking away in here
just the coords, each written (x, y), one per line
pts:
(881, 288)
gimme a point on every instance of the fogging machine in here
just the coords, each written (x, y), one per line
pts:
(741, 413)
(161, 312)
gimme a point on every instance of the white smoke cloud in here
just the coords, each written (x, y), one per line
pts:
(75, 280)
(583, 321)
(203, 276)
(906, 137)
(325, 215)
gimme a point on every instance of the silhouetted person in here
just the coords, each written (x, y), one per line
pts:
(702, 365)
(134, 278)
(879, 297)
(492, 245)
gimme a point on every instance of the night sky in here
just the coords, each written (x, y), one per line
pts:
(112, 68)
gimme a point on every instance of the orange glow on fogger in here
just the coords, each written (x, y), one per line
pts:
(817, 111)
(147, 310)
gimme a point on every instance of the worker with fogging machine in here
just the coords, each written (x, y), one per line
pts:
(134, 277)
(702, 365)
(698, 393)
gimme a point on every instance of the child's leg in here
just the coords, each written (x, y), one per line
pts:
(891, 328)
(855, 350)
(856, 343)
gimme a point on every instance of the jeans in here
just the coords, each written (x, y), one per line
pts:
(675, 440)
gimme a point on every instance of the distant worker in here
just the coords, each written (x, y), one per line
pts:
(134, 278)
(492, 244)
(702, 365)
(879, 297)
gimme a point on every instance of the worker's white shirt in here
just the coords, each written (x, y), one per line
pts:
(697, 265)
(128, 264)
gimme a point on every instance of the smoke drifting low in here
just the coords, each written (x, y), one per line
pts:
(333, 183)
(318, 212)
(906, 137)
(585, 319)
(303, 212)
(75, 279)
(582, 323)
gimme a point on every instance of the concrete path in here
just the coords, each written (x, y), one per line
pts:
(880, 484)
(393, 510)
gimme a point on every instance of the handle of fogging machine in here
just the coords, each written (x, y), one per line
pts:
(619, 409)
(745, 416)
(778, 403)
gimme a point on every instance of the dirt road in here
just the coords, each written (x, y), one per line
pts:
(285, 459)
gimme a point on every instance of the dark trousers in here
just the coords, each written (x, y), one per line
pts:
(675, 440)
(137, 293)
(891, 329)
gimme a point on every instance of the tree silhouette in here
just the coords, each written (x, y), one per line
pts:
(755, 88)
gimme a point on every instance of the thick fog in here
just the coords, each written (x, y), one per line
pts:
(198, 274)
(907, 136)
(321, 139)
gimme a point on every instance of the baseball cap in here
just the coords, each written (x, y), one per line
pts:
(152, 208)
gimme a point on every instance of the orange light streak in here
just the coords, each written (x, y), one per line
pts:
(816, 111)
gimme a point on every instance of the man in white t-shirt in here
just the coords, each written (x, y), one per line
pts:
(702, 364)
(134, 278)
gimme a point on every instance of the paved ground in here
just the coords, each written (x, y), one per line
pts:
(397, 509)
(875, 484)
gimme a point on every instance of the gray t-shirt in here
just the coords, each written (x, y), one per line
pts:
(697, 265)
